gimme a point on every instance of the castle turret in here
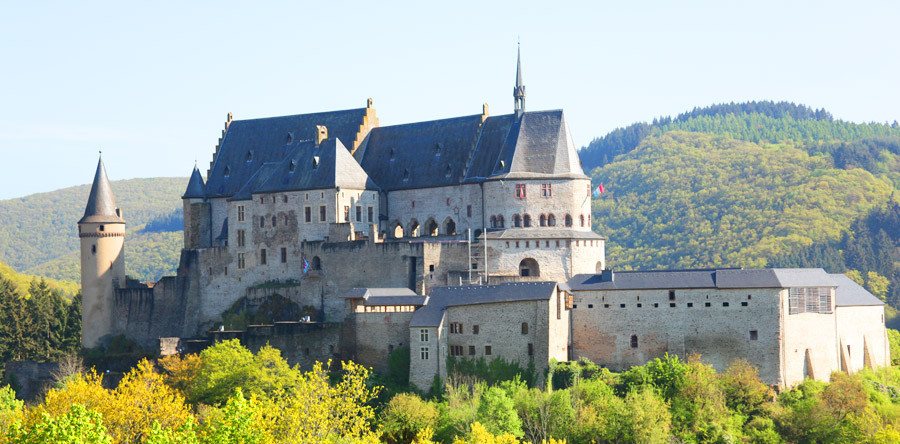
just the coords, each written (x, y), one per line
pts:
(102, 234)
(196, 213)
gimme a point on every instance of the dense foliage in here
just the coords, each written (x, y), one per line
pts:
(227, 394)
(38, 233)
(683, 200)
(39, 325)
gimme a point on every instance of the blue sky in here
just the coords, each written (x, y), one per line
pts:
(150, 84)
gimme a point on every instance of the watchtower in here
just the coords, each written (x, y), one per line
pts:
(102, 234)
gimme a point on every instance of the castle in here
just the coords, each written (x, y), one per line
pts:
(465, 237)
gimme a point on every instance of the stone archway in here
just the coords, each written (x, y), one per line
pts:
(413, 228)
(397, 231)
(528, 267)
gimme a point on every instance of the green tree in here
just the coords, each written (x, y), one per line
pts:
(644, 418)
(78, 426)
(497, 413)
(238, 424)
(405, 416)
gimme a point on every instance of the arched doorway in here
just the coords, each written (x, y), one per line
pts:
(529, 267)
(315, 264)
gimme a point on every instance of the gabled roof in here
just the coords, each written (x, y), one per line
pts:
(432, 314)
(708, 278)
(101, 205)
(850, 294)
(309, 167)
(418, 155)
(196, 188)
(386, 296)
(248, 144)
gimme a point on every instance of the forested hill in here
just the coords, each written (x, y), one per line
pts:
(38, 233)
(753, 185)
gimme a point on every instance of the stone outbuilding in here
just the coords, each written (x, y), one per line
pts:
(790, 323)
(521, 322)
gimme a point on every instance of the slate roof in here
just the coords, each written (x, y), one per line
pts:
(271, 139)
(386, 296)
(196, 188)
(101, 205)
(310, 167)
(709, 278)
(432, 314)
(851, 294)
(262, 174)
(418, 155)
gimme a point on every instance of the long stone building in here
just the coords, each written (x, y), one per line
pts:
(372, 230)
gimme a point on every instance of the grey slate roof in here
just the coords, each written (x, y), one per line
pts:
(541, 232)
(262, 174)
(850, 294)
(271, 140)
(309, 167)
(101, 205)
(417, 155)
(432, 314)
(710, 278)
(386, 296)
(196, 188)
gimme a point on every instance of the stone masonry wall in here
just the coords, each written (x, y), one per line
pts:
(568, 196)
(861, 330)
(378, 334)
(602, 328)
(438, 204)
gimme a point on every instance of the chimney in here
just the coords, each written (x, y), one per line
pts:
(485, 112)
(321, 134)
(607, 276)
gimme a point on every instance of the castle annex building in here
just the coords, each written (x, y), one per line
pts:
(467, 237)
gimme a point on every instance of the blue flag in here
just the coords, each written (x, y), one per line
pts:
(305, 266)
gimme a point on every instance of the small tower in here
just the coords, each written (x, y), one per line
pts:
(102, 234)
(196, 213)
(519, 90)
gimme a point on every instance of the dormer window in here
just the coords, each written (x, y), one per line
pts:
(405, 175)
(447, 173)
(392, 154)
(437, 149)
(249, 156)
(315, 163)
(291, 167)
(290, 138)
(501, 165)
(227, 171)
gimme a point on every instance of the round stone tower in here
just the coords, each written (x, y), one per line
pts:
(102, 234)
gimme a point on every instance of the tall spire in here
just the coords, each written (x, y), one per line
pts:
(101, 205)
(519, 90)
(196, 188)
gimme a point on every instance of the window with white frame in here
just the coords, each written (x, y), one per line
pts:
(423, 353)
(423, 335)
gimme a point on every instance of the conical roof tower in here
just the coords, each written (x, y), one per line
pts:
(101, 206)
(196, 188)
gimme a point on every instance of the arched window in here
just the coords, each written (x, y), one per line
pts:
(589, 219)
(543, 220)
(524, 328)
(493, 221)
(449, 226)
(582, 220)
(529, 267)
(274, 221)
(551, 220)
(568, 220)
(500, 222)
(634, 341)
(398, 230)
(413, 229)
(316, 263)
(431, 227)
(526, 221)
(517, 220)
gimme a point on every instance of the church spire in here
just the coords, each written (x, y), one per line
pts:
(101, 205)
(519, 90)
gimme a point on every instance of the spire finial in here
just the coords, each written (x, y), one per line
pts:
(519, 90)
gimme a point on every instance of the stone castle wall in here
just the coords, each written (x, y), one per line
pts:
(602, 328)
(861, 332)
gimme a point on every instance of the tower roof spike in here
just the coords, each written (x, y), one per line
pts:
(519, 89)
(101, 204)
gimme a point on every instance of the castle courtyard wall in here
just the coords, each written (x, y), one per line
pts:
(861, 332)
(378, 334)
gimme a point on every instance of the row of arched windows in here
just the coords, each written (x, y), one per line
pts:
(544, 220)
(431, 228)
